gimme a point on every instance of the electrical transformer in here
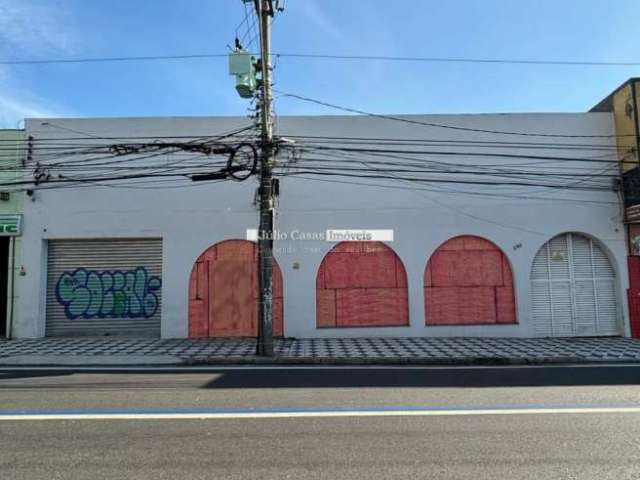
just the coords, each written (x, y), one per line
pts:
(243, 65)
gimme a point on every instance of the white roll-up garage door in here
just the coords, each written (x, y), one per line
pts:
(104, 287)
(573, 287)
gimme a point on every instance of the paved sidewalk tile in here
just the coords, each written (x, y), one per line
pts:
(323, 350)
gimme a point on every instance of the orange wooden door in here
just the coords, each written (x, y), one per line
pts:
(232, 307)
(223, 292)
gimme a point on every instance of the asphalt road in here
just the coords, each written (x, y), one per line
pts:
(363, 423)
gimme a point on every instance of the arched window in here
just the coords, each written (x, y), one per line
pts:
(361, 284)
(468, 281)
(223, 292)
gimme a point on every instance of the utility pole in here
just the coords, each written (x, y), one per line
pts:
(264, 11)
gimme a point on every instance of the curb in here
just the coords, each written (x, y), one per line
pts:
(436, 361)
(70, 361)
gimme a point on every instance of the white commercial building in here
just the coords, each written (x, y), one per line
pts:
(493, 234)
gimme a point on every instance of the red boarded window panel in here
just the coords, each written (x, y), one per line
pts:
(223, 292)
(634, 311)
(361, 284)
(634, 294)
(468, 281)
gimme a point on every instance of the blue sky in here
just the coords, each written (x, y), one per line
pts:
(521, 29)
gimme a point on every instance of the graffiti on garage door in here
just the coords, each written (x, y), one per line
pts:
(108, 294)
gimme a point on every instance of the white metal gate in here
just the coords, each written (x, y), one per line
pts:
(573, 287)
(104, 287)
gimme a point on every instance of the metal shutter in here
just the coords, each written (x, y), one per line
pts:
(573, 289)
(104, 287)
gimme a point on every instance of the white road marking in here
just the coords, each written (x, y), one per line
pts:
(310, 414)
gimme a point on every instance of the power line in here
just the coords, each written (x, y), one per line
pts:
(585, 63)
(115, 164)
(589, 181)
(206, 140)
(412, 160)
(147, 138)
(66, 179)
(350, 158)
(109, 171)
(112, 59)
(250, 31)
(443, 167)
(94, 136)
(474, 217)
(451, 142)
(464, 154)
(315, 171)
(330, 139)
(440, 125)
(464, 172)
(464, 192)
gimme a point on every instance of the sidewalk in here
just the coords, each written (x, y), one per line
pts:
(102, 351)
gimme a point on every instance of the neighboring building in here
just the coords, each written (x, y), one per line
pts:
(542, 254)
(624, 103)
(12, 156)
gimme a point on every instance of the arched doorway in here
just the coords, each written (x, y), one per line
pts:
(361, 284)
(573, 289)
(223, 292)
(468, 281)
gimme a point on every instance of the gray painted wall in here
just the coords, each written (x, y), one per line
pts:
(191, 219)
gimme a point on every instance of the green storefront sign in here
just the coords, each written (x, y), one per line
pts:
(10, 225)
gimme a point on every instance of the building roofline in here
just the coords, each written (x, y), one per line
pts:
(605, 104)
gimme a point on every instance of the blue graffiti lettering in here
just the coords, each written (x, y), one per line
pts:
(108, 294)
